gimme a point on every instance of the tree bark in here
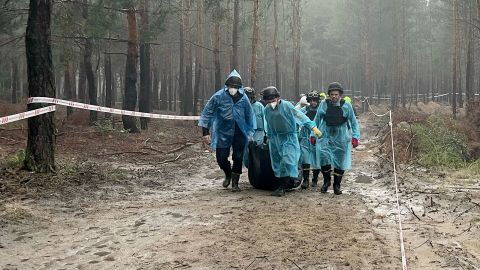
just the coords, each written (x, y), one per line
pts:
(145, 70)
(216, 46)
(82, 79)
(454, 58)
(68, 84)
(155, 87)
(296, 38)
(92, 86)
(109, 84)
(130, 96)
(199, 58)
(187, 97)
(40, 152)
(253, 63)
(275, 44)
(15, 81)
(236, 15)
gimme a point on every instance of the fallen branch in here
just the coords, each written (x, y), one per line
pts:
(170, 160)
(466, 211)
(126, 152)
(295, 264)
(179, 148)
(426, 241)
(153, 149)
(413, 212)
(146, 141)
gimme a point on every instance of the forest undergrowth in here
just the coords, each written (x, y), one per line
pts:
(435, 140)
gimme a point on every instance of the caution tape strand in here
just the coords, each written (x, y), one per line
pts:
(399, 215)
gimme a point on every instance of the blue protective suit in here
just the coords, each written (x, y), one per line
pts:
(259, 129)
(335, 147)
(259, 115)
(282, 132)
(307, 149)
(221, 113)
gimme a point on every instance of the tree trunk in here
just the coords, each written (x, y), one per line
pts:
(145, 71)
(454, 58)
(236, 15)
(155, 87)
(253, 64)
(109, 84)
(40, 152)
(68, 84)
(181, 73)
(199, 58)
(82, 79)
(187, 97)
(296, 38)
(130, 100)
(275, 45)
(15, 81)
(216, 47)
(92, 86)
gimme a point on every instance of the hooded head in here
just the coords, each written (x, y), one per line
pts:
(234, 81)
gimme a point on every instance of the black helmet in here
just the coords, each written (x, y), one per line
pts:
(335, 86)
(270, 92)
(312, 95)
(234, 81)
(250, 92)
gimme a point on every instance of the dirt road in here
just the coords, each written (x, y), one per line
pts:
(172, 213)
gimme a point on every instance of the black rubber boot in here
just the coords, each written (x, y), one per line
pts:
(235, 179)
(315, 177)
(306, 178)
(337, 180)
(280, 191)
(227, 179)
(327, 179)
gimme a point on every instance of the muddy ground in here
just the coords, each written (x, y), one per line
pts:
(154, 201)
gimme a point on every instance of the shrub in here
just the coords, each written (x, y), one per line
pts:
(439, 145)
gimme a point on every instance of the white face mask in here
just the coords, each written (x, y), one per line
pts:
(232, 91)
(273, 104)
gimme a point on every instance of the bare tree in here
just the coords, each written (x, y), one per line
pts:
(253, 64)
(40, 152)
(130, 97)
(144, 103)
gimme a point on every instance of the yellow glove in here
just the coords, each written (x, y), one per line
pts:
(317, 132)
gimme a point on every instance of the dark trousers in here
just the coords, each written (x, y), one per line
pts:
(238, 145)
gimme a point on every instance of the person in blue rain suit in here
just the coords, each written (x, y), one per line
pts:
(307, 143)
(229, 117)
(334, 148)
(258, 111)
(281, 120)
(259, 130)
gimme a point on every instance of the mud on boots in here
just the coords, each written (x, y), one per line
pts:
(282, 184)
(327, 178)
(306, 176)
(337, 180)
(307, 141)
(229, 117)
(316, 172)
(235, 179)
(341, 132)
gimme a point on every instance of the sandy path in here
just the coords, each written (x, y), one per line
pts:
(177, 216)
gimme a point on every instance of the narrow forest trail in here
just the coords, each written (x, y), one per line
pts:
(177, 216)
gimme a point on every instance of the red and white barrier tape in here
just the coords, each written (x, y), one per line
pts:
(107, 109)
(25, 115)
